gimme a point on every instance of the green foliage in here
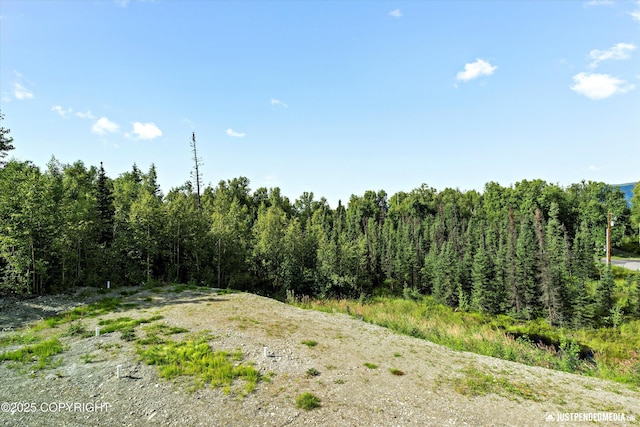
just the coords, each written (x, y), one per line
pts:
(396, 371)
(308, 401)
(193, 358)
(39, 353)
(5, 141)
(312, 372)
(529, 250)
(77, 329)
(310, 343)
(371, 365)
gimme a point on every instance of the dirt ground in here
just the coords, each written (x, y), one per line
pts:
(84, 390)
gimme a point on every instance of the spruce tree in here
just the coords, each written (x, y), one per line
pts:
(105, 207)
(604, 298)
(483, 295)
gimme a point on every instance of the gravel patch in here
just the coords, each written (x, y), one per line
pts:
(428, 394)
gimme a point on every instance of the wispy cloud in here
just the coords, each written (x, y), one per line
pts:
(594, 168)
(635, 15)
(5, 97)
(103, 126)
(87, 115)
(235, 134)
(277, 102)
(617, 52)
(21, 92)
(395, 13)
(122, 3)
(599, 86)
(473, 70)
(592, 3)
(146, 131)
(61, 111)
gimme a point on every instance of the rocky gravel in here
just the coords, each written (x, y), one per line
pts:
(82, 387)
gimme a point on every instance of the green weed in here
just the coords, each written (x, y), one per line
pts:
(40, 353)
(396, 371)
(371, 365)
(312, 372)
(194, 358)
(308, 401)
(310, 343)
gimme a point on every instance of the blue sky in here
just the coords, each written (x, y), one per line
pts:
(333, 97)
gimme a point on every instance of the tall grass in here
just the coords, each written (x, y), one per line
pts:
(614, 352)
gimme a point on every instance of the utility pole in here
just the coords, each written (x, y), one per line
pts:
(197, 162)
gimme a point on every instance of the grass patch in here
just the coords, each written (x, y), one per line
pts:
(125, 325)
(88, 358)
(371, 365)
(310, 343)
(308, 401)
(194, 359)
(474, 382)
(39, 353)
(19, 338)
(396, 371)
(104, 306)
(312, 372)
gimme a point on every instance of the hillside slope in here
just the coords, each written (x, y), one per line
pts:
(439, 386)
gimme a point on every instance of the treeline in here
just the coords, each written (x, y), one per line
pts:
(530, 250)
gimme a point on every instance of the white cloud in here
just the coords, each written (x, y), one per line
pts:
(87, 115)
(635, 15)
(235, 134)
(104, 125)
(5, 97)
(61, 111)
(599, 86)
(122, 3)
(21, 92)
(473, 70)
(395, 13)
(594, 168)
(591, 3)
(616, 52)
(146, 130)
(278, 102)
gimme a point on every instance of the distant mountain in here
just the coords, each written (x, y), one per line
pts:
(627, 189)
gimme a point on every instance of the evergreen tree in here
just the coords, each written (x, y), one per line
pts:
(483, 294)
(604, 300)
(526, 269)
(555, 273)
(106, 209)
(445, 288)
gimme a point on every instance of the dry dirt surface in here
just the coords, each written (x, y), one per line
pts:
(82, 387)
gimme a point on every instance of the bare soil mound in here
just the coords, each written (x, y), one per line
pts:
(364, 375)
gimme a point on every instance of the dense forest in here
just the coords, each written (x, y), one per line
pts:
(529, 250)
